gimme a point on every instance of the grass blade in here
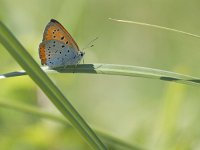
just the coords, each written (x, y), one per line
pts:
(132, 71)
(122, 70)
(155, 26)
(42, 80)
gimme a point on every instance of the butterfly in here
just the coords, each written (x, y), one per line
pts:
(58, 48)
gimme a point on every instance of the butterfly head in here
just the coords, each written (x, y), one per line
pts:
(80, 55)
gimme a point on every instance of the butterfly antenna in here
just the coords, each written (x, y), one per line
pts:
(90, 43)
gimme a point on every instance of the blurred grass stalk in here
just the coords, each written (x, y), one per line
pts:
(35, 111)
(48, 87)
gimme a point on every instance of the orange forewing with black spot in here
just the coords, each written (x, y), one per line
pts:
(55, 31)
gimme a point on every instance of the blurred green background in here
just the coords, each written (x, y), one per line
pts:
(150, 113)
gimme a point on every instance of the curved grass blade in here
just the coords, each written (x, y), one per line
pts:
(48, 87)
(122, 70)
(132, 71)
(155, 26)
(35, 111)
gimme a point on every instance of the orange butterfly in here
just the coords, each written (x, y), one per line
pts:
(58, 48)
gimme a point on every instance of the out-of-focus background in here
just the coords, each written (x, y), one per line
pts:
(150, 113)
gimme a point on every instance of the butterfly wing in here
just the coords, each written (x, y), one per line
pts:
(54, 30)
(58, 48)
(54, 53)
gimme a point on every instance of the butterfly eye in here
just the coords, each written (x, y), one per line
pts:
(82, 53)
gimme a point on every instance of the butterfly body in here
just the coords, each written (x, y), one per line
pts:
(58, 48)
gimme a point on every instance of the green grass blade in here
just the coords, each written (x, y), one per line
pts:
(123, 70)
(35, 111)
(12, 74)
(132, 71)
(155, 26)
(42, 80)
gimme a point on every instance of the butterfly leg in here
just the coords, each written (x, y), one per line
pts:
(74, 68)
(63, 63)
